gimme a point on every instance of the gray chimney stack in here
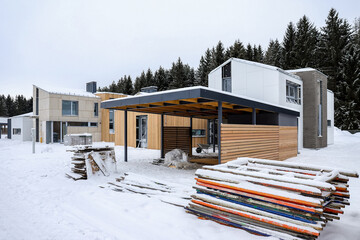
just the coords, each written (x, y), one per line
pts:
(91, 87)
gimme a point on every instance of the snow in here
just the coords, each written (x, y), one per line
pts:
(68, 91)
(37, 201)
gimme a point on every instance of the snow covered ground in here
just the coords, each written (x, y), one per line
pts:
(38, 202)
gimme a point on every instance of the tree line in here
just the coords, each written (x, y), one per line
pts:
(10, 106)
(333, 49)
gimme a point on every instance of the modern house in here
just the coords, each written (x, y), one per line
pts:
(20, 126)
(62, 111)
(303, 89)
(245, 126)
(3, 126)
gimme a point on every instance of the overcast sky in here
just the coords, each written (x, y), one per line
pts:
(67, 43)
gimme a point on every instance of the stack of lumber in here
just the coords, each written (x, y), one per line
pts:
(89, 160)
(271, 198)
(168, 192)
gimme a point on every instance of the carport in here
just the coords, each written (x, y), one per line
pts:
(237, 118)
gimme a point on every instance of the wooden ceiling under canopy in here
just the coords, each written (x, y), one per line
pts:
(196, 102)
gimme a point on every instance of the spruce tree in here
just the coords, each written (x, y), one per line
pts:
(260, 54)
(149, 78)
(113, 87)
(161, 79)
(3, 107)
(128, 85)
(357, 31)
(177, 75)
(249, 53)
(10, 106)
(335, 36)
(237, 50)
(306, 40)
(274, 54)
(289, 61)
(218, 55)
(347, 102)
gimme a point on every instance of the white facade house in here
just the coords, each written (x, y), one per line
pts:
(330, 117)
(261, 82)
(21, 127)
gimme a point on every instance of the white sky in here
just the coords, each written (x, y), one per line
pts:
(67, 43)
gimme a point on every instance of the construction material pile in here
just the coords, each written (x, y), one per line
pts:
(271, 198)
(89, 160)
(168, 192)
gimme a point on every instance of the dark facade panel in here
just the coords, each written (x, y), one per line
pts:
(287, 120)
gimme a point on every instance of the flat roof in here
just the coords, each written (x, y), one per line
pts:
(197, 102)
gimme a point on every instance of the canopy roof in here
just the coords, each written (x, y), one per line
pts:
(197, 102)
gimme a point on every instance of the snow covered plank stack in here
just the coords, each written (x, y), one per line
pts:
(88, 160)
(271, 198)
(168, 192)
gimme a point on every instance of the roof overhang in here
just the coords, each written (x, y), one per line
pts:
(197, 102)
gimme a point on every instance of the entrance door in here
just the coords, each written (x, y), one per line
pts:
(141, 131)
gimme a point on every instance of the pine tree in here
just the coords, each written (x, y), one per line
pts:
(347, 103)
(161, 79)
(120, 85)
(218, 55)
(335, 37)
(289, 61)
(274, 54)
(306, 40)
(113, 87)
(177, 75)
(205, 67)
(3, 107)
(260, 54)
(128, 85)
(237, 50)
(140, 82)
(10, 106)
(149, 78)
(249, 53)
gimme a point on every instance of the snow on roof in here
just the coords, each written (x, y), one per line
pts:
(205, 88)
(3, 120)
(258, 65)
(68, 91)
(308, 69)
(29, 114)
(112, 93)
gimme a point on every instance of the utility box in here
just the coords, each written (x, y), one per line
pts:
(77, 139)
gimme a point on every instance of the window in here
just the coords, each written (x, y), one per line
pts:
(96, 109)
(293, 92)
(198, 133)
(70, 108)
(329, 123)
(320, 108)
(111, 121)
(16, 131)
(78, 124)
(93, 124)
(226, 77)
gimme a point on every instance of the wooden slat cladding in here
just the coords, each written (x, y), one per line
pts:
(287, 142)
(177, 137)
(257, 141)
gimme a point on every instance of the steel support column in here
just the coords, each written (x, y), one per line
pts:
(162, 136)
(191, 127)
(253, 116)
(219, 130)
(125, 137)
(213, 134)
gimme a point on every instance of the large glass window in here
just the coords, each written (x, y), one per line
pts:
(96, 109)
(198, 133)
(111, 121)
(70, 108)
(293, 92)
(320, 109)
(16, 131)
(226, 77)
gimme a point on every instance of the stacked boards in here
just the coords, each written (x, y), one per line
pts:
(271, 198)
(88, 160)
